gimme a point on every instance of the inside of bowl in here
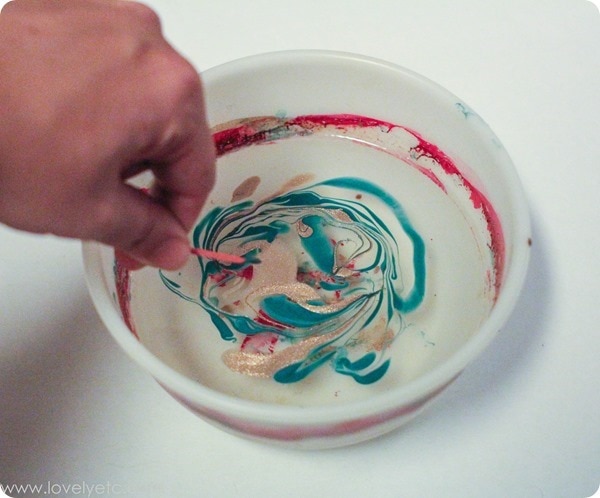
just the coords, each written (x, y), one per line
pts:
(370, 258)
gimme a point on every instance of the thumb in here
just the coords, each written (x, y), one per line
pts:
(143, 230)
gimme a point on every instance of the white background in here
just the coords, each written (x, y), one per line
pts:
(522, 421)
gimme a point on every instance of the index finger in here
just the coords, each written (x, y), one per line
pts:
(183, 184)
(182, 156)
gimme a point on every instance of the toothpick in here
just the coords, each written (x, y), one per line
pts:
(223, 257)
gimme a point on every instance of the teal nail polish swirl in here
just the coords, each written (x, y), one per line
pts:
(331, 269)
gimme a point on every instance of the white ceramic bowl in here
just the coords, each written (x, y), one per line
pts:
(349, 155)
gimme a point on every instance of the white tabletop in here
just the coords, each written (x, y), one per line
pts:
(522, 421)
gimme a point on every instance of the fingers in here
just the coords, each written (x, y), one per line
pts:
(180, 191)
(181, 153)
(172, 139)
(141, 228)
(183, 185)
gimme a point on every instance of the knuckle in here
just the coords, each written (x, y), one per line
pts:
(180, 92)
(173, 77)
(184, 79)
(143, 14)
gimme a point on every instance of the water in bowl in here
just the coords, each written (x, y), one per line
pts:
(370, 258)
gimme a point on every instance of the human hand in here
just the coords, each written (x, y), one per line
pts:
(91, 94)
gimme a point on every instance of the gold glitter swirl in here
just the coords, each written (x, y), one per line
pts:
(245, 189)
(375, 338)
(266, 365)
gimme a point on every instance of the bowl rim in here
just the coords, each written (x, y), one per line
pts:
(416, 390)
